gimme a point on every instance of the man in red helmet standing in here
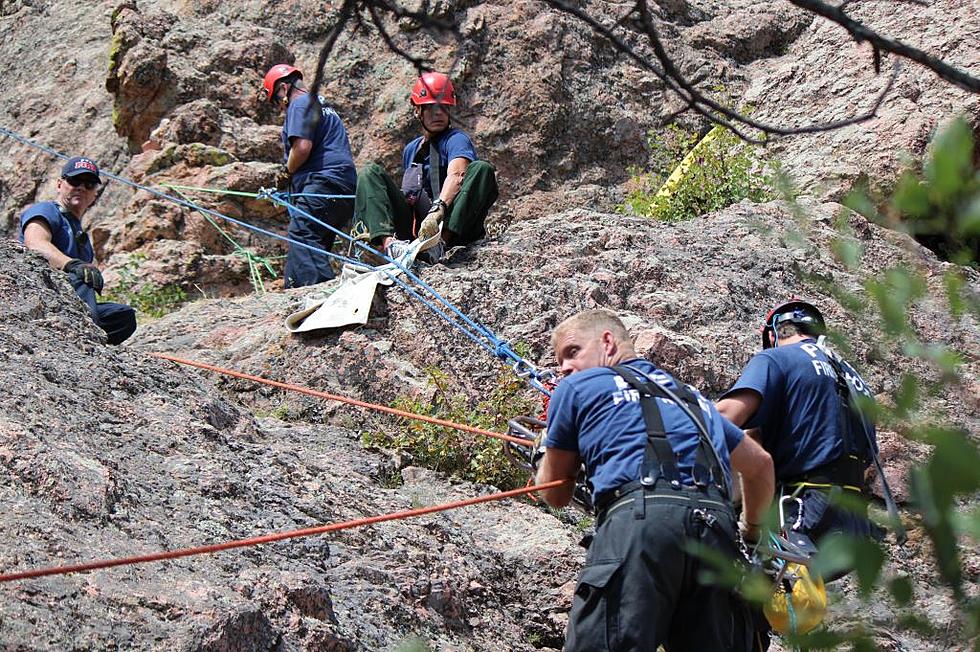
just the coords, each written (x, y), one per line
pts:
(445, 188)
(319, 161)
(800, 395)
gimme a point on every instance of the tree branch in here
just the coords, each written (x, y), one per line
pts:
(862, 32)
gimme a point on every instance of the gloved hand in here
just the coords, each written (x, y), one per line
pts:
(87, 273)
(433, 219)
(750, 532)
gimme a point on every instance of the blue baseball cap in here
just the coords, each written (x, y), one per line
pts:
(79, 165)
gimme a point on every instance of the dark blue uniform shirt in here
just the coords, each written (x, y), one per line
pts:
(799, 412)
(596, 413)
(66, 230)
(451, 144)
(331, 155)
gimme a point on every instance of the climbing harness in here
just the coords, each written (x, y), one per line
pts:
(853, 417)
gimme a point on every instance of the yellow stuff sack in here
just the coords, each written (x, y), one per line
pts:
(808, 602)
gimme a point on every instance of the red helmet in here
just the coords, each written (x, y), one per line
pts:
(795, 311)
(433, 88)
(277, 72)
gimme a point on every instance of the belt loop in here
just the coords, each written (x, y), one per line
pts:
(640, 505)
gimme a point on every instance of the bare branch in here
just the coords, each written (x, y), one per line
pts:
(862, 32)
(367, 13)
(346, 11)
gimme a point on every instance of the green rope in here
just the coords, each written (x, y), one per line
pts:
(255, 262)
(217, 191)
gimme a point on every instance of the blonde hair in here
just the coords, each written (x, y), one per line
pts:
(594, 322)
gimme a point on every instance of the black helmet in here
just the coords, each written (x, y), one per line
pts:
(795, 311)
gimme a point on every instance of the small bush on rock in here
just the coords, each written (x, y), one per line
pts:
(148, 298)
(692, 175)
(472, 457)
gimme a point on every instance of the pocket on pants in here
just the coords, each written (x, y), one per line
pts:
(593, 623)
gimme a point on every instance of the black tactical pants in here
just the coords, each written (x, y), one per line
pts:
(640, 587)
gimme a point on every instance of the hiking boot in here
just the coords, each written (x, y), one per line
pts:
(433, 254)
(397, 249)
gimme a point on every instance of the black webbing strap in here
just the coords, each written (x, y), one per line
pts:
(851, 407)
(434, 171)
(659, 456)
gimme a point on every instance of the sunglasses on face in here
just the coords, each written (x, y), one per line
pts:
(75, 182)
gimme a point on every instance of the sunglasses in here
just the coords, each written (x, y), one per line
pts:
(88, 184)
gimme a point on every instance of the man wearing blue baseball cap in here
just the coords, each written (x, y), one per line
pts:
(54, 230)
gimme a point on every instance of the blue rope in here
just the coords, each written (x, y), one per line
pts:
(182, 202)
(498, 347)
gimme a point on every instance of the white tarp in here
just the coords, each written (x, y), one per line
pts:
(349, 299)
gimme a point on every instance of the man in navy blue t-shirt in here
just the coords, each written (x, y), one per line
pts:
(445, 188)
(318, 157)
(789, 391)
(641, 586)
(54, 230)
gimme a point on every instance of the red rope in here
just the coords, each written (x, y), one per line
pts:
(344, 399)
(268, 538)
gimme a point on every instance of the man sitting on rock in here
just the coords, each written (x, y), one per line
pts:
(445, 187)
(319, 160)
(54, 229)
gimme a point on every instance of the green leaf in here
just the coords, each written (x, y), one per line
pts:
(901, 590)
(907, 396)
(968, 523)
(911, 197)
(968, 221)
(858, 201)
(839, 552)
(950, 164)
(954, 282)
(848, 251)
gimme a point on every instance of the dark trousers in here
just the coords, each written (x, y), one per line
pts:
(380, 208)
(820, 518)
(117, 319)
(305, 266)
(641, 588)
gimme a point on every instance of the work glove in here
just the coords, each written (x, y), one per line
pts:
(750, 532)
(87, 273)
(433, 219)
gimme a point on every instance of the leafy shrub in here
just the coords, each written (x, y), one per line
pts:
(148, 298)
(473, 457)
(719, 170)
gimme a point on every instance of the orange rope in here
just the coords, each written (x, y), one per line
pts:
(268, 538)
(344, 399)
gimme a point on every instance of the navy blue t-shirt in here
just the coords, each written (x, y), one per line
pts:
(451, 144)
(66, 230)
(597, 413)
(331, 154)
(799, 412)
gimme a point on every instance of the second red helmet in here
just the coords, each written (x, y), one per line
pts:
(277, 72)
(433, 88)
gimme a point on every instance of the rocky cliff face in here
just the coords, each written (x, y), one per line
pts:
(107, 452)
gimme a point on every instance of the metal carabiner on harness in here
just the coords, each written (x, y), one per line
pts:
(782, 512)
